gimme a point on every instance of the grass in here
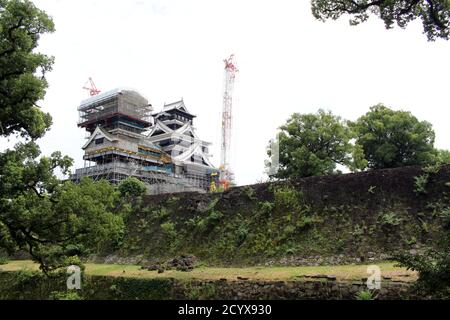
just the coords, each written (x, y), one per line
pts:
(342, 273)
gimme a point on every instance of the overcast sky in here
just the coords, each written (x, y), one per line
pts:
(288, 62)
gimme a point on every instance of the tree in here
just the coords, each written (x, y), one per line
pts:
(435, 14)
(443, 156)
(433, 268)
(53, 220)
(314, 144)
(132, 188)
(22, 69)
(392, 139)
(47, 218)
(433, 265)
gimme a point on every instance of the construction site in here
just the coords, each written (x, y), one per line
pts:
(127, 138)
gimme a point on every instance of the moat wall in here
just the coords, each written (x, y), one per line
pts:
(338, 219)
(37, 287)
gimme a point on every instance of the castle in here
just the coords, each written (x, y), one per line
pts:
(126, 139)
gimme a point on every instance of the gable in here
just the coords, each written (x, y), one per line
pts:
(97, 135)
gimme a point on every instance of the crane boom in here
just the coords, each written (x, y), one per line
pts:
(91, 87)
(230, 74)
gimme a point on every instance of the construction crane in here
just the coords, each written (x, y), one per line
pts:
(226, 175)
(90, 86)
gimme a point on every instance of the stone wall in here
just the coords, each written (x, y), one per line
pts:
(36, 286)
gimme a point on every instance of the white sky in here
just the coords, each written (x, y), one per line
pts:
(288, 62)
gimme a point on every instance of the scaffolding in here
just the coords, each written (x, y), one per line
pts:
(158, 181)
(117, 148)
(120, 106)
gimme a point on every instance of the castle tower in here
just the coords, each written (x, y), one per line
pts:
(116, 147)
(174, 132)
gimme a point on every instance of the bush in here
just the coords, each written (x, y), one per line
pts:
(390, 219)
(241, 235)
(250, 192)
(420, 183)
(69, 295)
(160, 214)
(364, 295)
(169, 229)
(3, 260)
(266, 208)
(287, 197)
(132, 187)
(215, 216)
(433, 268)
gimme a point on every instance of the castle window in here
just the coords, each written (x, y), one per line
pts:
(99, 140)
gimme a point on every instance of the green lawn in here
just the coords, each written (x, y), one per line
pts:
(342, 273)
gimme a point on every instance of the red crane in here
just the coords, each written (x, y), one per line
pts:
(90, 86)
(226, 175)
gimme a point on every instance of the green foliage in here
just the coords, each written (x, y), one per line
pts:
(67, 295)
(169, 229)
(435, 14)
(206, 291)
(250, 192)
(3, 260)
(207, 223)
(215, 216)
(313, 144)
(23, 69)
(433, 268)
(394, 138)
(305, 222)
(172, 200)
(420, 183)
(241, 235)
(201, 225)
(160, 214)
(211, 205)
(48, 218)
(132, 187)
(364, 295)
(287, 197)
(266, 207)
(390, 219)
(443, 156)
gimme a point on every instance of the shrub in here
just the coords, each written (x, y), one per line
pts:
(266, 208)
(364, 295)
(160, 214)
(210, 206)
(169, 229)
(433, 268)
(288, 231)
(172, 200)
(69, 295)
(3, 260)
(305, 222)
(241, 235)
(215, 216)
(287, 197)
(390, 219)
(420, 183)
(132, 187)
(249, 192)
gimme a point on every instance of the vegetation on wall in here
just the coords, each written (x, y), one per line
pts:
(275, 221)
